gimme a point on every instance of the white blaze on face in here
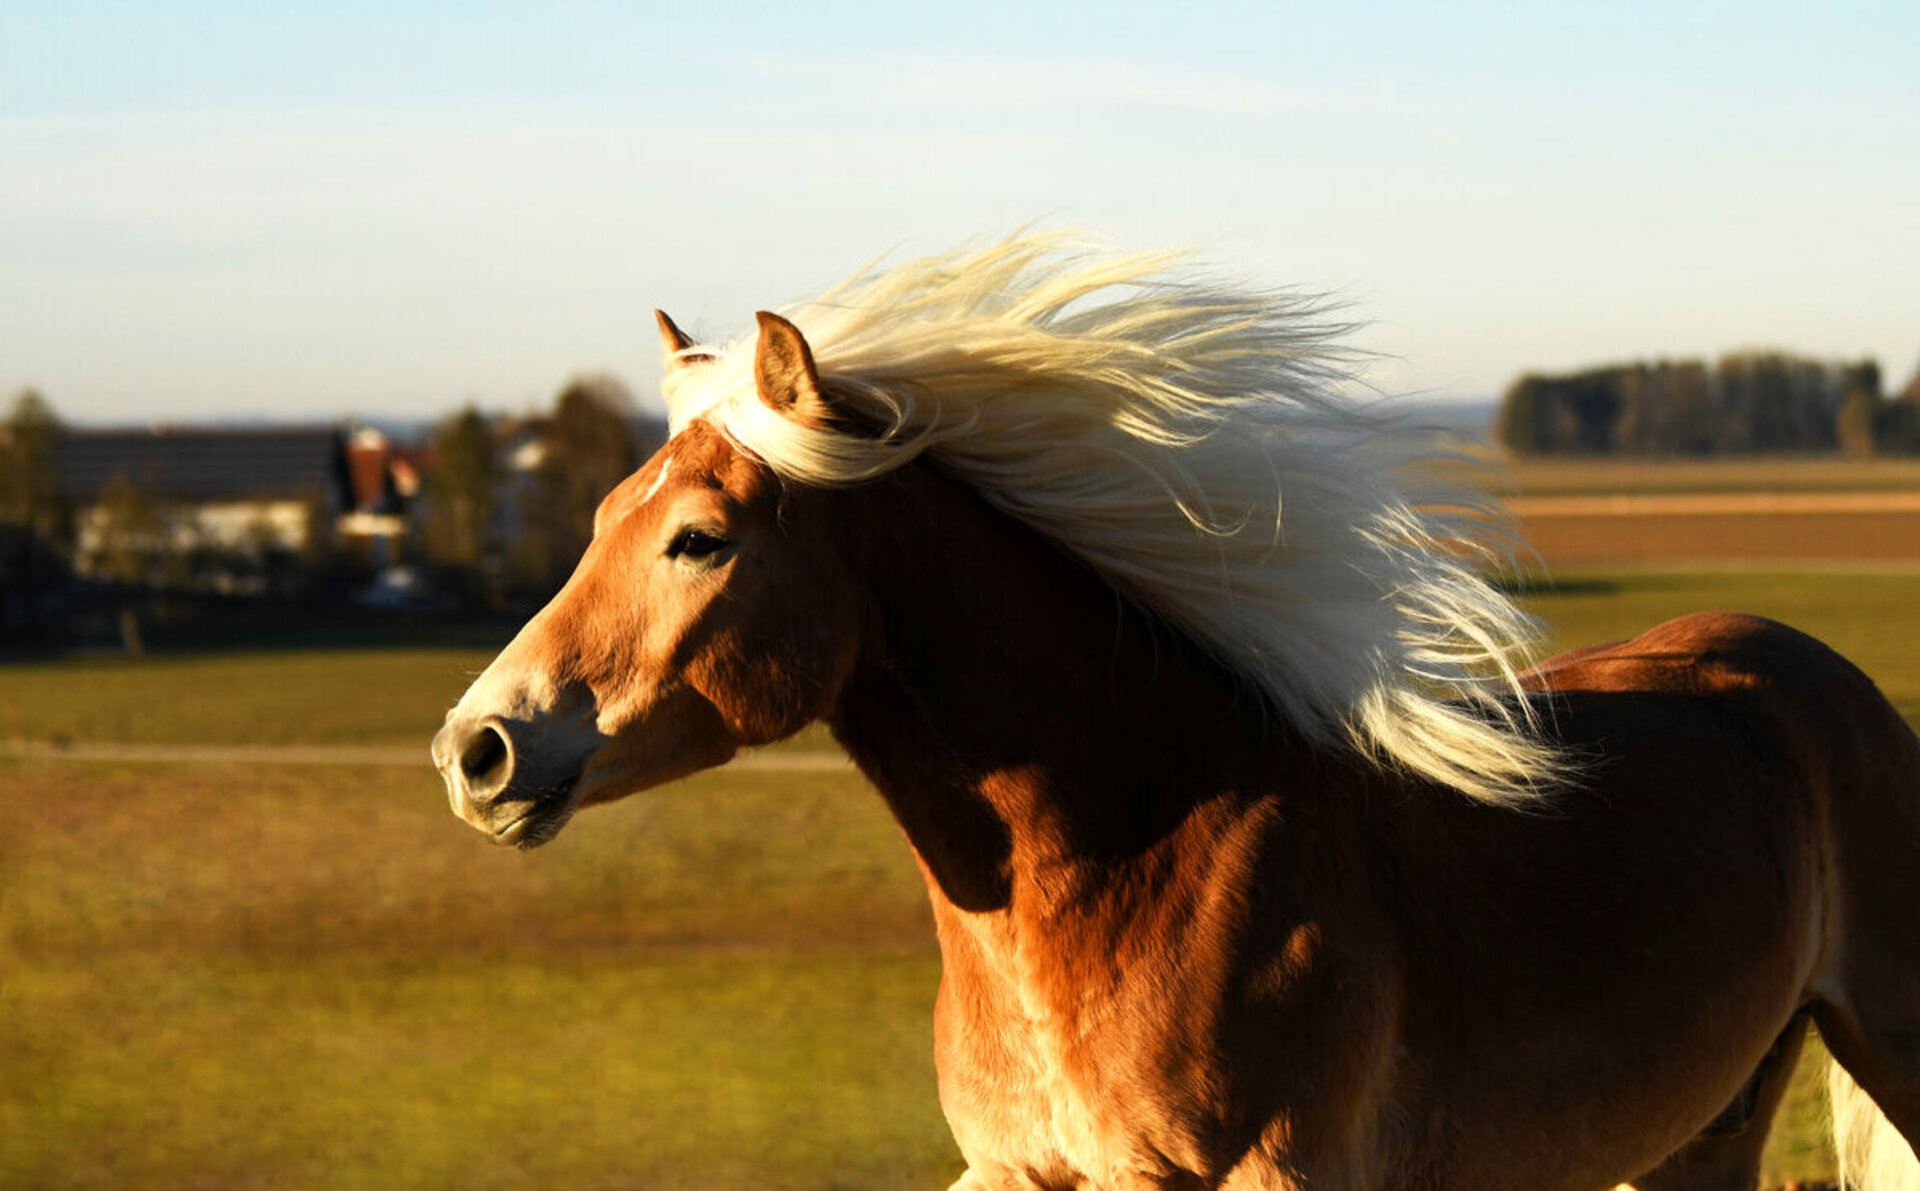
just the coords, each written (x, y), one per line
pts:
(666, 465)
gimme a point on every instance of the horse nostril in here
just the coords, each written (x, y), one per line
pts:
(485, 760)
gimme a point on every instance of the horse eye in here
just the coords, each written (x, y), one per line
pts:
(696, 544)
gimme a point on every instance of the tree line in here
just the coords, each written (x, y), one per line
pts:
(1745, 402)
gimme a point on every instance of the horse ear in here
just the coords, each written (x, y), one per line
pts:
(674, 345)
(784, 374)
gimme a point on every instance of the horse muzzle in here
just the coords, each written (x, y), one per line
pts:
(501, 784)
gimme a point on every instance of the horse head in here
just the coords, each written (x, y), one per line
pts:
(710, 612)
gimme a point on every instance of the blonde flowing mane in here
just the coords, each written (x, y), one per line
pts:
(1185, 440)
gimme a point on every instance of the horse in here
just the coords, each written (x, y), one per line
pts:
(1260, 855)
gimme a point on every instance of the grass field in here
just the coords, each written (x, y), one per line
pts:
(371, 697)
(241, 975)
(227, 976)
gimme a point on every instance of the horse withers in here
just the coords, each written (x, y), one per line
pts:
(1258, 858)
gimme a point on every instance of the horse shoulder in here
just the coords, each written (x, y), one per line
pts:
(1125, 1020)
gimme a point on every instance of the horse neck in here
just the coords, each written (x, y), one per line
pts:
(1020, 717)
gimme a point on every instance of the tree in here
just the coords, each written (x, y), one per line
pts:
(464, 493)
(1857, 424)
(1562, 414)
(1665, 409)
(129, 538)
(30, 466)
(33, 518)
(589, 449)
(1749, 401)
(1518, 426)
(1897, 426)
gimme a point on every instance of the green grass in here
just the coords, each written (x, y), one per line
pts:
(238, 976)
(656, 1070)
(362, 697)
(374, 697)
(223, 976)
(1799, 1148)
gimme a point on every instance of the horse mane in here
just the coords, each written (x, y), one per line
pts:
(1184, 439)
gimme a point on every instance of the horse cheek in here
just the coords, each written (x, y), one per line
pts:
(769, 684)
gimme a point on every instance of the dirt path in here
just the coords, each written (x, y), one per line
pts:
(1696, 504)
(1687, 529)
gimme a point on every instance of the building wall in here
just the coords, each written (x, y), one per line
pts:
(240, 527)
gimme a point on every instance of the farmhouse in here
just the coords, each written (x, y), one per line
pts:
(383, 479)
(215, 509)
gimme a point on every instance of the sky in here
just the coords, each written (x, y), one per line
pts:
(385, 210)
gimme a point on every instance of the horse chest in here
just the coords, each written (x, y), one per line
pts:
(1063, 1081)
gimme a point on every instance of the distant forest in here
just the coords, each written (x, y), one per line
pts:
(1748, 402)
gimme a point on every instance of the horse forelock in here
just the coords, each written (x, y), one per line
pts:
(1188, 441)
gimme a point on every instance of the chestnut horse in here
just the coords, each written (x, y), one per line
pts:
(1256, 859)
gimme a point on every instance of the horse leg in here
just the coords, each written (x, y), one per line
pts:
(1868, 1006)
(1876, 1092)
(1725, 1156)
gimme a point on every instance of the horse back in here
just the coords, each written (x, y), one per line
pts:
(1710, 654)
(1825, 735)
(1677, 896)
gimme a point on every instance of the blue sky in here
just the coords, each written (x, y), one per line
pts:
(385, 210)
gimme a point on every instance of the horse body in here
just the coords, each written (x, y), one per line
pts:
(1214, 952)
(1189, 942)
